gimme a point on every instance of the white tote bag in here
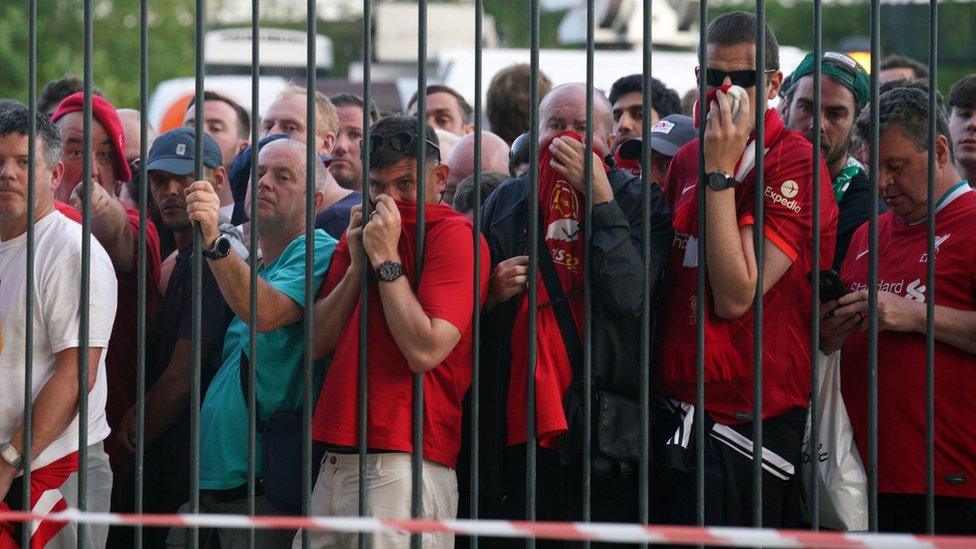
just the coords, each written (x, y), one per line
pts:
(840, 477)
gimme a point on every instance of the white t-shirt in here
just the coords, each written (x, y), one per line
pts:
(56, 321)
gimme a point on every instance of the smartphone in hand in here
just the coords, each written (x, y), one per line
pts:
(831, 286)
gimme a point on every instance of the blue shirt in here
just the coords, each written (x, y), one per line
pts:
(280, 373)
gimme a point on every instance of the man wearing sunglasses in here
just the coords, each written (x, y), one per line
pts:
(732, 274)
(416, 325)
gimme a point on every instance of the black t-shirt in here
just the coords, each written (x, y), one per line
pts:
(335, 219)
(855, 209)
(169, 455)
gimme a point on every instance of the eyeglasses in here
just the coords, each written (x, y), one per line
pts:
(134, 166)
(744, 79)
(401, 142)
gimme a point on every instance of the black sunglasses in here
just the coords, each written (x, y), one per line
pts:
(401, 142)
(743, 79)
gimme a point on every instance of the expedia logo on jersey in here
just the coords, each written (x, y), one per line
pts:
(565, 228)
(785, 196)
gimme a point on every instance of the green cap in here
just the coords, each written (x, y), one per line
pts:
(841, 68)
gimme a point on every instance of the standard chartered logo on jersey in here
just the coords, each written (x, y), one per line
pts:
(913, 290)
(785, 196)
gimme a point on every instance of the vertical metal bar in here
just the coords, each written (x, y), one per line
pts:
(701, 290)
(417, 458)
(588, 272)
(476, 292)
(643, 493)
(872, 462)
(759, 242)
(86, 237)
(196, 322)
(29, 275)
(930, 274)
(142, 264)
(531, 436)
(364, 280)
(815, 270)
(252, 325)
(311, 157)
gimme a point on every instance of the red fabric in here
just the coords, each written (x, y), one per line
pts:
(445, 293)
(68, 210)
(120, 361)
(710, 96)
(561, 212)
(786, 322)
(629, 165)
(901, 356)
(104, 113)
(50, 477)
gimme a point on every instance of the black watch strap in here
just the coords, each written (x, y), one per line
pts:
(388, 271)
(220, 249)
(719, 181)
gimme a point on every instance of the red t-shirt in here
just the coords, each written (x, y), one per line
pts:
(561, 211)
(787, 305)
(901, 356)
(444, 292)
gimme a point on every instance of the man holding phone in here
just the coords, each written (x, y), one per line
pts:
(903, 289)
(732, 278)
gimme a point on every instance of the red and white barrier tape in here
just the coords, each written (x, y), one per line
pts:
(605, 532)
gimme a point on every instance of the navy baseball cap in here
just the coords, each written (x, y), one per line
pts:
(173, 151)
(668, 135)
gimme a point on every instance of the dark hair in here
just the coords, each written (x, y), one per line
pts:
(390, 126)
(466, 110)
(16, 119)
(351, 100)
(739, 27)
(507, 101)
(243, 118)
(963, 93)
(57, 90)
(905, 107)
(464, 194)
(921, 70)
(664, 100)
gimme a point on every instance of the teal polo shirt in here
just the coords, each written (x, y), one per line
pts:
(280, 372)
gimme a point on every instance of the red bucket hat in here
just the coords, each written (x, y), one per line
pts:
(104, 112)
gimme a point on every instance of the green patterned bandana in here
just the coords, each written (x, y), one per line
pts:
(852, 168)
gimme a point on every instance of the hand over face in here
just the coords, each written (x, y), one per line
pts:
(382, 232)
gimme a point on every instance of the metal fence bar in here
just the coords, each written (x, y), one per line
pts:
(702, 273)
(815, 269)
(475, 388)
(142, 267)
(85, 325)
(588, 271)
(363, 373)
(29, 274)
(533, 242)
(196, 322)
(311, 157)
(872, 461)
(930, 273)
(417, 458)
(252, 398)
(644, 461)
(759, 242)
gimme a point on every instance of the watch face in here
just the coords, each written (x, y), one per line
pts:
(719, 181)
(389, 271)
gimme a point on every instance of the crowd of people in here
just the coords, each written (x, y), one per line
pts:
(420, 315)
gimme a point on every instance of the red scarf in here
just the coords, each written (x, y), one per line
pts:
(686, 216)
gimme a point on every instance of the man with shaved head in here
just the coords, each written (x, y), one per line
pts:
(617, 274)
(494, 158)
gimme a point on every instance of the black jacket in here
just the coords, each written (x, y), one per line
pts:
(854, 210)
(617, 298)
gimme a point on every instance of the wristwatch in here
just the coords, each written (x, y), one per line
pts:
(719, 181)
(388, 271)
(11, 456)
(220, 249)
